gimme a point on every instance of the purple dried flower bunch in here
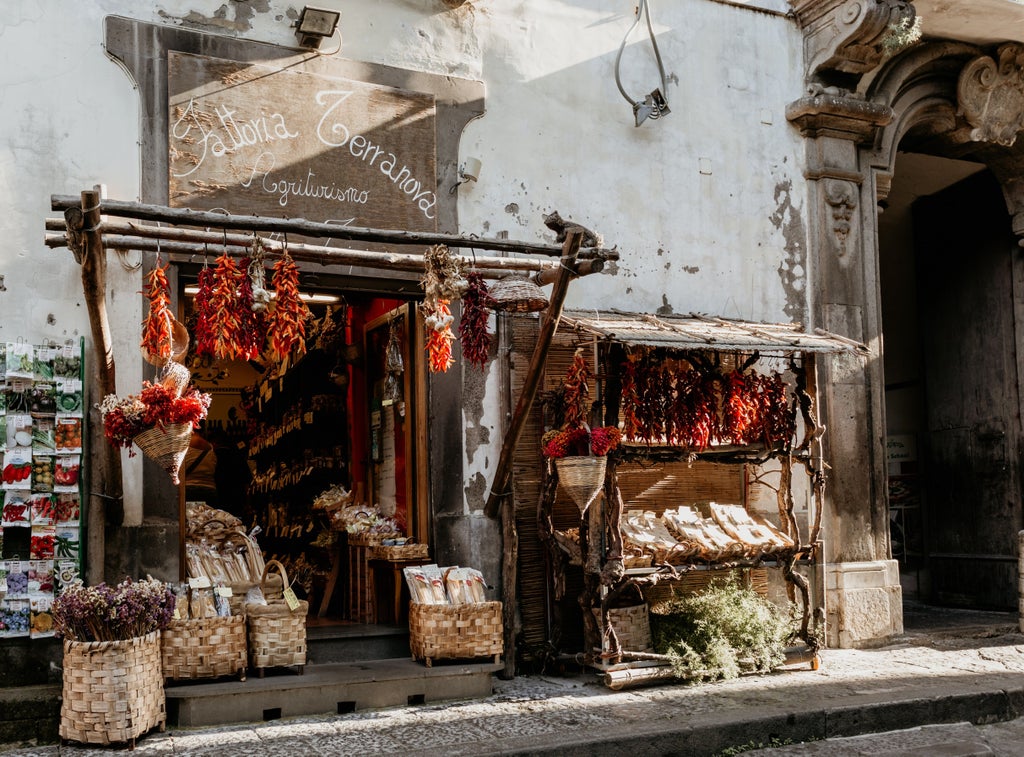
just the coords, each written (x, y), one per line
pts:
(112, 613)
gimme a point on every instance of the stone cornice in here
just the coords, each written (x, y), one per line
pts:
(844, 39)
(832, 112)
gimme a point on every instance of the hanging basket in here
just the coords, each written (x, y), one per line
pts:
(175, 377)
(166, 446)
(582, 477)
(179, 346)
(514, 294)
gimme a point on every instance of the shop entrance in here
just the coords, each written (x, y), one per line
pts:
(341, 423)
(948, 262)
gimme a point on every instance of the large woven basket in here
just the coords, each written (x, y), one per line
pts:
(113, 690)
(204, 648)
(400, 552)
(166, 446)
(632, 626)
(277, 634)
(455, 632)
(582, 477)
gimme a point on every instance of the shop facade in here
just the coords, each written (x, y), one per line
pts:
(761, 204)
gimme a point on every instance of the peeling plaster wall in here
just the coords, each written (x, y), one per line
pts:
(706, 205)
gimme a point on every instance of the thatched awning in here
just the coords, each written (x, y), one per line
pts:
(701, 332)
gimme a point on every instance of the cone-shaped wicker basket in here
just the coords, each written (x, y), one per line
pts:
(515, 294)
(166, 446)
(582, 477)
(179, 345)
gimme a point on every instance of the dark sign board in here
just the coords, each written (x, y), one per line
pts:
(258, 140)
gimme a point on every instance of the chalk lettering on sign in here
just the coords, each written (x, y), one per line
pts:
(225, 133)
(337, 128)
(339, 135)
(286, 187)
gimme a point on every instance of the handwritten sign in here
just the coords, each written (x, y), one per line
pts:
(286, 142)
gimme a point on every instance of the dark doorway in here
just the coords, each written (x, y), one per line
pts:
(952, 398)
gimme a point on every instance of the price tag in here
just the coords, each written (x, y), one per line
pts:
(177, 615)
(224, 591)
(202, 582)
(290, 599)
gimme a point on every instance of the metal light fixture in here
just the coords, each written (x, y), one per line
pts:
(470, 171)
(315, 25)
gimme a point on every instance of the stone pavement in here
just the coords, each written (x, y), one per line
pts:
(958, 693)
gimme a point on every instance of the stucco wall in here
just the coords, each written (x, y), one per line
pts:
(705, 205)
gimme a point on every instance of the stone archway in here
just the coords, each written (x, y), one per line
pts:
(861, 107)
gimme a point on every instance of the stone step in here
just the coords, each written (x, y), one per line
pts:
(354, 643)
(29, 714)
(325, 688)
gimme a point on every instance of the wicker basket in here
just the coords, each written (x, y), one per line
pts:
(277, 634)
(272, 588)
(515, 294)
(113, 690)
(369, 540)
(400, 552)
(178, 346)
(582, 477)
(167, 446)
(632, 626)
(204, 648)
(455, 632)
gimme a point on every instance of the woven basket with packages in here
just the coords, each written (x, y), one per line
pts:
(277, 627)
(204, 648)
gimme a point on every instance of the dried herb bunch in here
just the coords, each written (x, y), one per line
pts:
(112, 613)
(720, 632)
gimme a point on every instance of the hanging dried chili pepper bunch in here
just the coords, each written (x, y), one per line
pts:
(690, 404)
(477, 304)
(288, 319)
(575, 437)
(442, 282)
(156, 329)
(226, 326)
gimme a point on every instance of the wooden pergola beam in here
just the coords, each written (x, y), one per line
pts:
(302, 227)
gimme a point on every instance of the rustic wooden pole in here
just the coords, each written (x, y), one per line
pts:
(105, 483)
(553, 314)
(509, 589)
(300, 226)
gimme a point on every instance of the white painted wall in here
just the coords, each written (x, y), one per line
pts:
(691, 200)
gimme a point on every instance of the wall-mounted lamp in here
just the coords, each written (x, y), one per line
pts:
(315, 25)
(470, 171)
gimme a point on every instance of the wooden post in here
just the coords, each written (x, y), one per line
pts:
(105, 483)
(503, 471)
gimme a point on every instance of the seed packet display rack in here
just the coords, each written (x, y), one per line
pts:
(610, 570)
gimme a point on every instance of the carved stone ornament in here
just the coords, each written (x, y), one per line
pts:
(842, 201)
(991, 95)
(849, 36)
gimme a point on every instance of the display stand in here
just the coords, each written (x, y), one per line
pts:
(605, 575)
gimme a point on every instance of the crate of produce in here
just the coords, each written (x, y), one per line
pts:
(455, 632)
(204, 648)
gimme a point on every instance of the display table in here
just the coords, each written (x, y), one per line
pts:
(392, 593)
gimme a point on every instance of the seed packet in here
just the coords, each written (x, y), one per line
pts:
(17, 510)
(65, 473)
(17, 580)
(42, 473)
(40, 616)
(68, 509)
(20, 360)
(67, 363)
(14, 617)
(42, 400)
(65, 573)
(43, 442)
(19, 432)
(67, 544)
(67, 434)
(42, 363)
(40, 577)
(43, 542)
(44, 509)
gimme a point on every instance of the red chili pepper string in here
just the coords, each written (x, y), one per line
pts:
(439, 342)
(473, 333)
(206, 323)
(287, 325)
(156, 328)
